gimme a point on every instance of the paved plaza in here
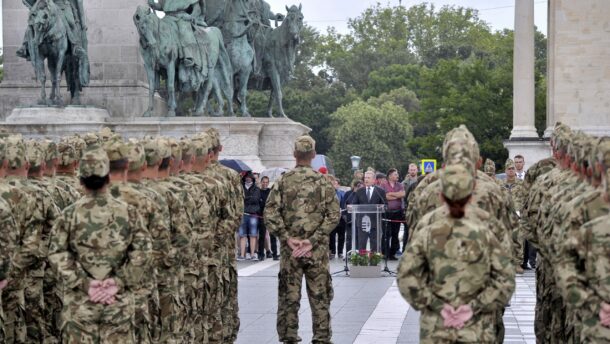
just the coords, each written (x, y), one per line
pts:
(363, 310)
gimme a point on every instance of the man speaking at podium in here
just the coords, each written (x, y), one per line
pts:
(367, 223)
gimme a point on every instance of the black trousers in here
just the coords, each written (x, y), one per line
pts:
(362, 239)
(529, 254)
(391, 231)
(262, 231)
(337, 237)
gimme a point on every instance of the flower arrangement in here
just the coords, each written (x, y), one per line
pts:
(365, 258)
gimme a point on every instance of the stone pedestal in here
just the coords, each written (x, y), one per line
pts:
(533, 150)
(118, 80)
(259, 142)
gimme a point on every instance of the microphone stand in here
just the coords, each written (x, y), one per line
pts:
(345, 271)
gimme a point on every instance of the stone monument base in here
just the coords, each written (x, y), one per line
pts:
(259, 142)
(532, 149)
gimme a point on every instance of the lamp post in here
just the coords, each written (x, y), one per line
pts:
(355, 162)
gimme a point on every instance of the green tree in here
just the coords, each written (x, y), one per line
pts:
(378, 134)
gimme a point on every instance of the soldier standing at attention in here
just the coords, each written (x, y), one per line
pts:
(455, 270)
(301, 211)
(101, 252)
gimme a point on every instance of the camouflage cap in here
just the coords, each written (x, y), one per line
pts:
(176, 150)
(136, 155)
(94, 162)
(165, 148)
(603, 153)
(152, 151)
(490, 167)
(304, 144)
(106, 134)
(35, 153)
(215, 137)
(462, 133)
(50, 150)
(458, 152)
(2, 149)
(15, 151)
(575, 144)
(201, 144)
(67, 153)
(457, 182)
(91, 139)
(508, 164)
(187, 147)
(116, 149)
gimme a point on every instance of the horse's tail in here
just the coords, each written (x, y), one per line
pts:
(224, 70)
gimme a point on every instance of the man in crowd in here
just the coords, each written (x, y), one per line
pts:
(529, 251)
(263, 234)
(395, 193)
(411, 177)
(337, 236)
(519, 165)
(515, 193)
(302, 210)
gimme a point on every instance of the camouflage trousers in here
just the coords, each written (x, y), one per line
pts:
(193, 323)
(52, 313)
(142, 317)
(12, 316)
(230, 315)
(319, 291)
(518, 239)
(85, 322)
(171, 316)
(480, 329)
(34, 304)
(550, 317)
(212, 305)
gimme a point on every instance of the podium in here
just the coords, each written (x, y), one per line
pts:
(367, 226)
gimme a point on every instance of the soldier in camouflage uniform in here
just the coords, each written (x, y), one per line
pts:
(64, 194)
(101, 251)
(455, 270)
(43, 216)
(515, 195)
(10, 236)
(231, 218)
(125, 160)
(171, 293)
(301, 211)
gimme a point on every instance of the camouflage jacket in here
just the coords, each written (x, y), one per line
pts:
(457, 262)
(9, 238)
(586, 289)
(302, 204)
(100, 237)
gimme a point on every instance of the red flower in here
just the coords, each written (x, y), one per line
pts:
(362, 252)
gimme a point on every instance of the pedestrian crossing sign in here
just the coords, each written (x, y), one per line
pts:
(428, 166)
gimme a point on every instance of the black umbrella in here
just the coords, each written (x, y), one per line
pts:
(236, 164)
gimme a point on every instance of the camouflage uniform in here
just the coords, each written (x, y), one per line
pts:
(515, 198)
(231, 218)
(456, 262)
(97, 238)
(302, 204)
(147, 298)
(43, 216)
(171, 294)
(68, 154)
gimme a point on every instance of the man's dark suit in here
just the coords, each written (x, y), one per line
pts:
(377, 197)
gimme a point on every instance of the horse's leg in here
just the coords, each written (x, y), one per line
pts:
(151, 74)
(218, 96)
(244, 75)
(171, 88)
(277, 89)
(57, 77)
(42, 78)
(203, 95)
(74, 75)
(270, 104)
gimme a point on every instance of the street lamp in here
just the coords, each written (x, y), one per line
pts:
(355, 162)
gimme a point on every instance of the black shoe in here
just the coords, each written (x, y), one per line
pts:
(269, 254)
(276, 257)
(392, 258)
(525, 267)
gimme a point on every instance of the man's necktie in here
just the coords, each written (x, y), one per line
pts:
(368, 193)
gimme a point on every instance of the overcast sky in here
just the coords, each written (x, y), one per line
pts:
(499, 14)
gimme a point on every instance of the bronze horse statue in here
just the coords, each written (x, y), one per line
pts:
(159, 50)
(280, 47)
(47, 39)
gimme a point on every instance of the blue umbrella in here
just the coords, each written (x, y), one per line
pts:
(236, 165)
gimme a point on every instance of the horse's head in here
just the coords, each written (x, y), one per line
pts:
(294, 21)
(144, 20)
(42, 16)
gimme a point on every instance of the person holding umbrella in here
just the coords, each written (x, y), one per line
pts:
(249, 222)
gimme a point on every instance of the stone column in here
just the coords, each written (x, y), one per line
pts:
(523, 72)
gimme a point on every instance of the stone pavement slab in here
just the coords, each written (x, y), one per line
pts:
(363, 311)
